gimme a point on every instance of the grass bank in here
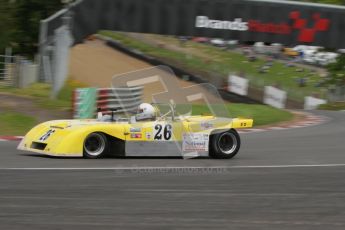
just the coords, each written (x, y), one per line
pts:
(41, 94)
(13, 123)
(211, 60)
(333, 106)
(262, 114)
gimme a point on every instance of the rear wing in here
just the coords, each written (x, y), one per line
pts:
(241, 123)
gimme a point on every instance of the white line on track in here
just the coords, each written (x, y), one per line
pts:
(172, 168)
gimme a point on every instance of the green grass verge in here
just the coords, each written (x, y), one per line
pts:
(41, 94)
(262, 114)
(13, 123)
(212, 60)
(333, 106)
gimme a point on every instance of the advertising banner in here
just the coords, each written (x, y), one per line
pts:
(275, 97)
(311, 103)
(284, 22)
(238, 85)
(85, 103)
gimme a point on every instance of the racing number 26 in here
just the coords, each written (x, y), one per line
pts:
(163, 132)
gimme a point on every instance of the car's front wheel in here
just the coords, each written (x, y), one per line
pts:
(225, 145)
(95, 145)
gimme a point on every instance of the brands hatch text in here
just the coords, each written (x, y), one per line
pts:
(294, 22)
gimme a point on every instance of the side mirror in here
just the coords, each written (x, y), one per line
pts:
(113, 110)
(99, 113)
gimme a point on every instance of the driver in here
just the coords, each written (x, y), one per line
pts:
(145, 112)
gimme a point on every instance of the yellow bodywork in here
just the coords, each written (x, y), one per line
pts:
(66, 137)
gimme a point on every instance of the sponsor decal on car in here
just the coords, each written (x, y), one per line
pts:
(148, 135)
(135, 130)
(195, 142)
(206, 125)
(136, 135)
(45, 136)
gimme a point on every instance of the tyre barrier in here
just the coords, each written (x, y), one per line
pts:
(88, 101)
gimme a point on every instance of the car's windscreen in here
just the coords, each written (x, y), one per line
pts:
(160, 87)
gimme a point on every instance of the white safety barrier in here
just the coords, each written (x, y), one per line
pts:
(28, 74)
(311, 103)
(122, 99)
(275, 97)
(238, 85)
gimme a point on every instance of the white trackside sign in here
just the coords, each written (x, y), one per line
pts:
(312, 103)
(238, 85)
(275, 97)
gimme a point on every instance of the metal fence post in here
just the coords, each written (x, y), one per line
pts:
(42, 52)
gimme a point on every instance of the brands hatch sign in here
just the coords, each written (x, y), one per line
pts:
(286, 22)
(293, 22)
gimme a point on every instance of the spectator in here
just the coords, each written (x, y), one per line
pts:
(302, 82)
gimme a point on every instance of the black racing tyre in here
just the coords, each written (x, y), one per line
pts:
(96, 145)
(224, 145)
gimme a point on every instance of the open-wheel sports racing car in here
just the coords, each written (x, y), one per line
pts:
(176, 123)
(142, 135)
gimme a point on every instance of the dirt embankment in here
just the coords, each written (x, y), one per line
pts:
(95, 64)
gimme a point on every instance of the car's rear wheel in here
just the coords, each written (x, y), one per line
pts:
(95, 146)
(225, 145)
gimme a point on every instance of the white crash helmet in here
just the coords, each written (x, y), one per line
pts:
(145, 112)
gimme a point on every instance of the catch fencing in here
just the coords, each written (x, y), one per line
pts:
(17, 71)
(7, 68)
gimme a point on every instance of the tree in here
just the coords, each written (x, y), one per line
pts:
(6, 24)
(337, 71)
(20, 22)
(28, 14)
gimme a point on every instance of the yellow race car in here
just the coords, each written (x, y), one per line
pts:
(148, 133)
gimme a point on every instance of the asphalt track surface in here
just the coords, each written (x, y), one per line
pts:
(286, 179)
